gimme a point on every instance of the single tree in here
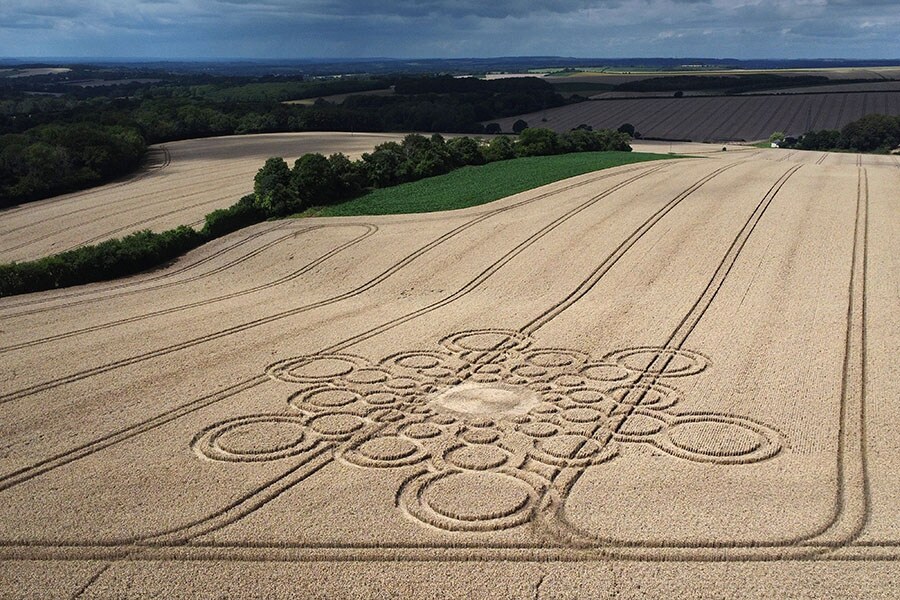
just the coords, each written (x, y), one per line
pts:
(626, 128)
(272, 188)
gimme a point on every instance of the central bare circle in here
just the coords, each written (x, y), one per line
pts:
(486, 399)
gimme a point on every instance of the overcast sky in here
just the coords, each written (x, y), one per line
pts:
(450, 28)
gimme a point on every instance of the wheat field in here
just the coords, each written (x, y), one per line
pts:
(181, 183)
(673, 378)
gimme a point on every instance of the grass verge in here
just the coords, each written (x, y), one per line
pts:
(471, 186)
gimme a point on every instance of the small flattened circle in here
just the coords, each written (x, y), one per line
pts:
(329, 397)
(417, 361)
(582, 415)
(381, 398)
(569, 381)
(257, 437)
(467, 496)
(586, 396)
(714, 438)
(388, 449)
(421, 431)
(368, 376)
(438, 372)
(554, 358)
(660, 361)
(539, 429)
(442, 419)
(476, 458)
(306, 369)
(336, 424)
(402, 383)
(485, 340)
(480, 436)
(529, 371)
(605, 372)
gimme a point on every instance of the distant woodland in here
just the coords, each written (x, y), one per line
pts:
(90, 125)
(67, 137)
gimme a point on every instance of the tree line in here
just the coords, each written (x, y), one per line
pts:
(725, 84)
(316, 180)
(53, 145)
(54, 159)
(878, 134)
(280, 190)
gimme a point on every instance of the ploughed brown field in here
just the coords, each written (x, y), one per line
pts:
(718, 118)
(837, 74)
(676, 379)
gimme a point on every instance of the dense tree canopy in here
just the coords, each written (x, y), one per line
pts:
(872, 133)
(66, 143)
(53, 159)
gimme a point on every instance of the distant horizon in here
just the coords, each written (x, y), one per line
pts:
(351, 59)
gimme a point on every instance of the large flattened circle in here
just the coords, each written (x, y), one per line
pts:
(485, 400)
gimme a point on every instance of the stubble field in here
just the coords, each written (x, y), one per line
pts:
(675, 378)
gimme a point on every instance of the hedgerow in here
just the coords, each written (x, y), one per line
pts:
(279, 191)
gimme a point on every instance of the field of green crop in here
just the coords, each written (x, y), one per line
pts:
(471, 186)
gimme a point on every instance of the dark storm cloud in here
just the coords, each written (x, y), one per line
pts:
(428, 28)
(428, 8)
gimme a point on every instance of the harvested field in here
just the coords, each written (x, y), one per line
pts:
(615, 78)
(875, 85)
(37, 72)
(675, 378)
(717, 118)
(182, 182)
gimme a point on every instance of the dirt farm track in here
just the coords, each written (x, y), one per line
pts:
(671, 379)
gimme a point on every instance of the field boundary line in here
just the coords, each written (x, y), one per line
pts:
(356, 552)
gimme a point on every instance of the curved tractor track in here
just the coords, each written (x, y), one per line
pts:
(188, 180)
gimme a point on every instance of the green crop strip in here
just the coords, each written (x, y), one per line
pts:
(475, 185)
